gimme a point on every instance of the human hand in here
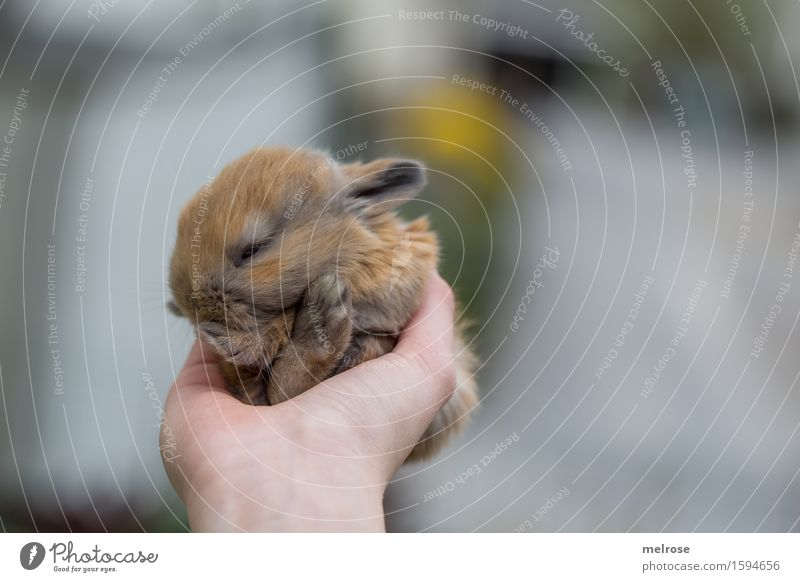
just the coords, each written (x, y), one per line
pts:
(320, 461)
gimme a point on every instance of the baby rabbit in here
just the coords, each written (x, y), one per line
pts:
(294, 268)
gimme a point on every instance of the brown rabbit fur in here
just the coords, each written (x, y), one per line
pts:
(294, 268)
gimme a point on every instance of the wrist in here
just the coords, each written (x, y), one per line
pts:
(321, 510)
(278, 501)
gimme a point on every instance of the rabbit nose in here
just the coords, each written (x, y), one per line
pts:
(217, 292)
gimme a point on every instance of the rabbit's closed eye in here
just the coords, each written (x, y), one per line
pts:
(248, 251)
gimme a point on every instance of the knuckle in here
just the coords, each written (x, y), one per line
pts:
(446, 293)
(439, 367)
(449, 379)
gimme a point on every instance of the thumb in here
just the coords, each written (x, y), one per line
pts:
(400, 392)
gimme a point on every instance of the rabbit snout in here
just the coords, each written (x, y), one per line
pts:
(251, 346)
(241, 328)
(238, 346)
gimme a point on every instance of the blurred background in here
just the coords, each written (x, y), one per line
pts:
(615, 185)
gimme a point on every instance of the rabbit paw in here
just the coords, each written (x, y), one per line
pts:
(322, 331)
(324, 324)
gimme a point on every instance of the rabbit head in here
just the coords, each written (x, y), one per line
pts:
(250, 242)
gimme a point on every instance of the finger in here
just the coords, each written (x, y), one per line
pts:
(428, 338)
(200, 372)
(196, 395)
(199, 385)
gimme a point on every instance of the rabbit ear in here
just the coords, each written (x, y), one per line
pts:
(382, 185)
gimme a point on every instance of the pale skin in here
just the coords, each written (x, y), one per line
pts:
(320, 461)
